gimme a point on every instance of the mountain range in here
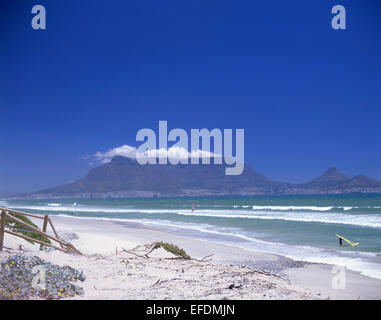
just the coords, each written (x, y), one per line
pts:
(124, 177)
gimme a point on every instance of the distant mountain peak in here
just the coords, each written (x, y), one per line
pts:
(331, 170)
(122, 160)
(361, 181)
(330, 177)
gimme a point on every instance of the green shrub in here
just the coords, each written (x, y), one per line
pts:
(172, 249)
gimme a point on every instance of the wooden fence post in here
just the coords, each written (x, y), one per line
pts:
(2, 228)
(44, 230)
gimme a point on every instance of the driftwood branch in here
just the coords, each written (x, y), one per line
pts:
(189, 258)
(138, 255)
(153, 248)
(203, 259)
(145, 256)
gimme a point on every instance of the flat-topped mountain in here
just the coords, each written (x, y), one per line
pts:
(124, 177)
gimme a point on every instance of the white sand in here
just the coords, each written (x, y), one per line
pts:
(115, 274)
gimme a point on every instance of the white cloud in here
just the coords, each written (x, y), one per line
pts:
(125, 151)
(172, 152)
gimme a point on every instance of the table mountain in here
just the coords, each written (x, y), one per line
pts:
(124, 177)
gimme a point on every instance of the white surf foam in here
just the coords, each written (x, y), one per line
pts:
(364, 220)
(366, 268)
(373, 221)
(3, 203)
(287, 208)
(54, 204)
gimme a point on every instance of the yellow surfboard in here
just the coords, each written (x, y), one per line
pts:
(352, 244)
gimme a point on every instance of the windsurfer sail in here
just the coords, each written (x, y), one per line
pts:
(352, 244)
(193, 207)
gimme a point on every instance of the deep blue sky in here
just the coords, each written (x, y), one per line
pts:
(308, 96)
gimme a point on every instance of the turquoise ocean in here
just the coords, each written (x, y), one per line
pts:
(299, 227)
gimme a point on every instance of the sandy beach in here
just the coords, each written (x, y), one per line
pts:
(116, 267)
